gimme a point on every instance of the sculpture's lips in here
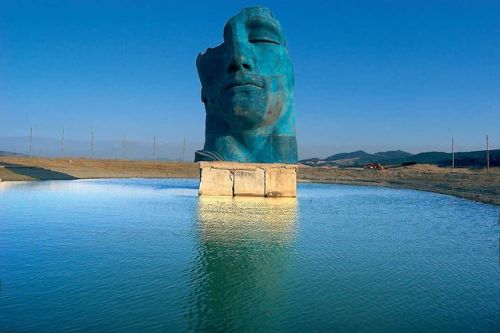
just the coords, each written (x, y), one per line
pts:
(243, 81)
(241, 84)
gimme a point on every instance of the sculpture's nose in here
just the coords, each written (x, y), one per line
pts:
(240, 58)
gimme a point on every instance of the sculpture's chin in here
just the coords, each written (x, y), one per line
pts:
(246, 111)
(244, 117)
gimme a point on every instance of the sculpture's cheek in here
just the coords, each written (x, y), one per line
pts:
(275, 100)
(273, 60)
(275, 108)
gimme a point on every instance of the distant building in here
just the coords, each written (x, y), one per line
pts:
(373, 166)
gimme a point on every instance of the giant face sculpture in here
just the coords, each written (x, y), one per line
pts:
(247, 88)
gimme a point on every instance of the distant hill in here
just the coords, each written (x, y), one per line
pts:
(356, 155)
(9, 153)
(399, 157)
(393, 154)
(358, 158)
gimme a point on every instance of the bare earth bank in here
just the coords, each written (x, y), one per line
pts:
(477, 185)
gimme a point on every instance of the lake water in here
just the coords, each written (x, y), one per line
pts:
(149, 255)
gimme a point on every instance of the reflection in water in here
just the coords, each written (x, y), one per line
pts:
(244, 254)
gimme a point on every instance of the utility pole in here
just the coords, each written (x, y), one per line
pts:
(154, 148)
(62, 143)
(92, 139)
(487, 154)
(183, 148)
(123, 146)
(452, 155)
(31, 139)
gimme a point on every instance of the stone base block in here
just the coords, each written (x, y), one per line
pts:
(248, 179)
(217, 182)
(281, 182)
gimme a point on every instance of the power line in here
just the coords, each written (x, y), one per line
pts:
(92, 138)
(62, 143)
(154, 148)
(487, 154)
(183, 148)
(123, 146)
(31, 140)
(452, 155)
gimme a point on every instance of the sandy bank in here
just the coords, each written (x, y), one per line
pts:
(470, 184)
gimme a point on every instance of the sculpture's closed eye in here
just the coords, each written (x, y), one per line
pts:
(263, 40)
(263, 32)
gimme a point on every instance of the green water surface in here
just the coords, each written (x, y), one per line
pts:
(150, 255)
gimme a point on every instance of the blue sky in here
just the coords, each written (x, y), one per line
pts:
(372, 75)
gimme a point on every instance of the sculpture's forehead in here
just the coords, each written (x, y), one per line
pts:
(252, 18)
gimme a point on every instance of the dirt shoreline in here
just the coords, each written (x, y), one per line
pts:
(477, 185)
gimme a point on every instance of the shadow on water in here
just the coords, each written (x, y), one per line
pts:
(244, 253)
(36, 172)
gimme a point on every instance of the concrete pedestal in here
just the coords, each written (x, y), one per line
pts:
(248, 179)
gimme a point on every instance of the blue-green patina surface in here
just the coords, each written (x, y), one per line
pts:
(247, 88)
